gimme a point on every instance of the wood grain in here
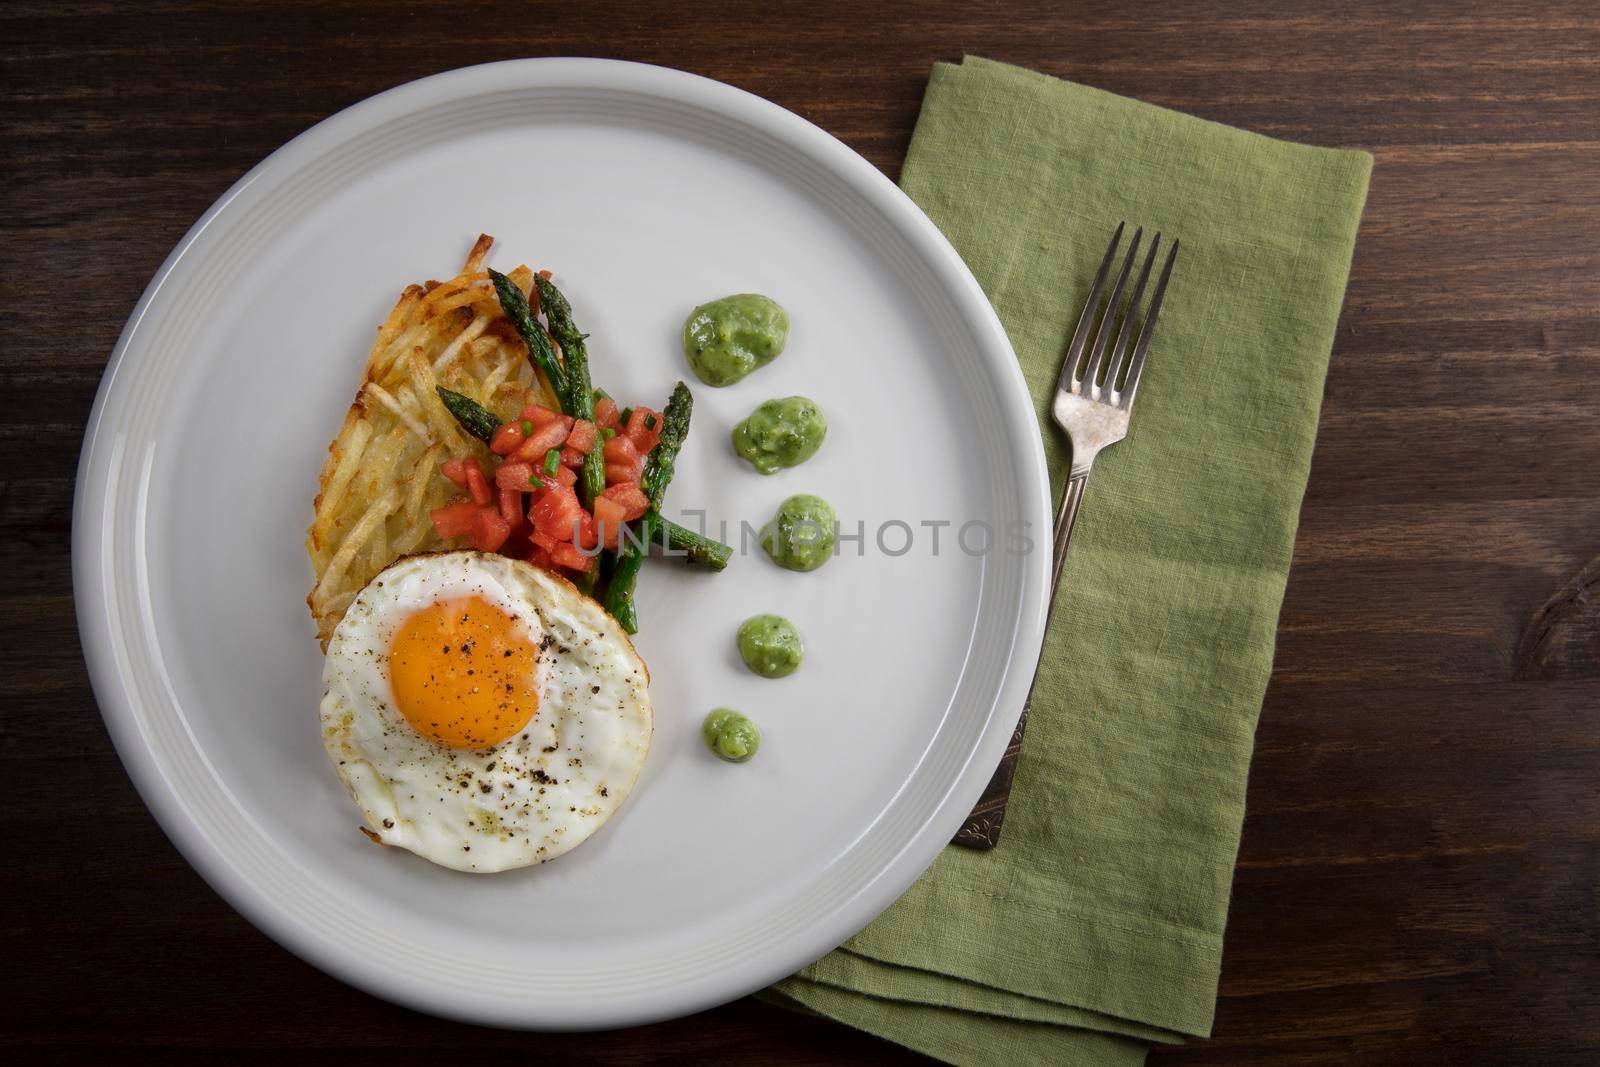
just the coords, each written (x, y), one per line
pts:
(1420, 866)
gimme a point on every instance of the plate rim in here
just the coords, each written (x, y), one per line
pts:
(92, 574)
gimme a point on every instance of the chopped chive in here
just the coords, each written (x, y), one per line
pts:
(552, 460)
(623, 418)
(649, 422)
(600, 394)
(527, 428)
(534, 479)
(607, 433)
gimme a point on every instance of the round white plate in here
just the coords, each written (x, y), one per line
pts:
(647, 191)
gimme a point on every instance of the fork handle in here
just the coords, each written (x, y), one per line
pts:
(982, 828)
(1065, 519)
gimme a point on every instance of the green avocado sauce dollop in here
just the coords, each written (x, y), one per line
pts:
(730, 735)
(770, 645)
(800, 536)
(780, 433)
(728, 338)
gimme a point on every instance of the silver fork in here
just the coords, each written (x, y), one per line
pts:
(1094, 398)
(1094, 395)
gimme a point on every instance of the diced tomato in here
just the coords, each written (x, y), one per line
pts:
(477, 484)
(582, 436)
(538, 555)
(618, 473)
(629, 497)
(455, 469)
(511, 506)
(572, 558)
(562, 476)
(518, 476)
(542, 416)
(622, 460)
(455, 520)
(644, 429)
(571, 457)
(492, 531)
(555, 513)
(587, 535)
(621, 450)
(543, 440)
(608, 521)
(605, 413)
(506, 439)
(543, 540)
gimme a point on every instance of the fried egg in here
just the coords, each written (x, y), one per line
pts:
(482, 712)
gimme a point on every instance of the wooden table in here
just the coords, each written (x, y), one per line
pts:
(1420, 866)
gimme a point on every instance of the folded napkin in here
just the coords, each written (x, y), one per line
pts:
(1096, 927)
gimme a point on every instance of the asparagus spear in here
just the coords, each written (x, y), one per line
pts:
(481, 423)
(579, 400)
(657, 473)
(474, 418)
(706, 551)
(540, 351)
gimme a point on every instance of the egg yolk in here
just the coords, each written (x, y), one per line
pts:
(463, 673)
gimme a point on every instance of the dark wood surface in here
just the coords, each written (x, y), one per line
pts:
(1420, 873)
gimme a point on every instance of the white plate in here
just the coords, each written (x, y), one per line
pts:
(647, 191)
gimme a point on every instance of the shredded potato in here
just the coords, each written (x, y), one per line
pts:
(381, 478)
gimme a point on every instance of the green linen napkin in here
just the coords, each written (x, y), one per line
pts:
(1096, 927)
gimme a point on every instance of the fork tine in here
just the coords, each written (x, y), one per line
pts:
(1103, 334)
(1069, 368)
(1137, 363)
(1117, 362)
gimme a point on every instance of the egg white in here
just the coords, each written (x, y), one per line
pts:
(528, 799)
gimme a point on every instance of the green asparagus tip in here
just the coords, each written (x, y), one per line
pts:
(473, 417)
